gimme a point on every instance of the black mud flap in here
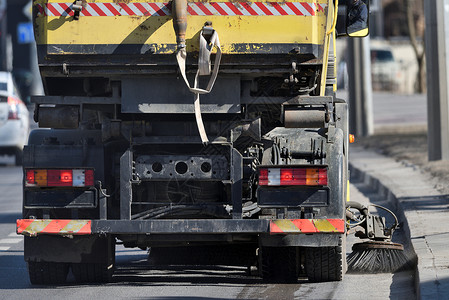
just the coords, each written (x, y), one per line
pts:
(74, 249)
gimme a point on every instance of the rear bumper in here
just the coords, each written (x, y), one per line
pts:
(34, 227)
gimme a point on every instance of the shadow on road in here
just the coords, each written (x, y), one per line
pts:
(9, 218)
(143, 274)
(435, 289)
(13, 272)
(183, 297)
(425, 203)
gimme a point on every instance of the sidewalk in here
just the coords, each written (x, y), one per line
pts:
(424, 210)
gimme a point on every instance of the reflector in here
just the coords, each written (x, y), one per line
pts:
(89, 177)
(263, 176)
(59, 178)
(293, 176)
(30, 178)
(40, 177)
(13, 104)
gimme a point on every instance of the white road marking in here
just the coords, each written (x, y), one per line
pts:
(15, 239)
(10, 241)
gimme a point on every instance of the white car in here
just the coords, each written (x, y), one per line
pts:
(14, 119)
(385, 70)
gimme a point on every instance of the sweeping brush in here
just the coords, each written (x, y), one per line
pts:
(377, 257)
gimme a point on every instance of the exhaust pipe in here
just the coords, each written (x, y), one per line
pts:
(179, 10)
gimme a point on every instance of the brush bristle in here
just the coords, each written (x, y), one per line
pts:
(377, 261)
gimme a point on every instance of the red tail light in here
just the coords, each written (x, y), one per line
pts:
(293, 176)
(13, 104)
(13, 115)
(59, 178)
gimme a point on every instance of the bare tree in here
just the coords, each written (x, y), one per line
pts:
(415, 24)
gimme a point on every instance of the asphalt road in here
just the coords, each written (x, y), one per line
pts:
(135, 280)
(397, 111)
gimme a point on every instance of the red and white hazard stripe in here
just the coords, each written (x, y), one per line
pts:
(33, 227)
(98, 9)
(307, 226)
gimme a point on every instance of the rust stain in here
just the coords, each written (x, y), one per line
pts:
(238, 5)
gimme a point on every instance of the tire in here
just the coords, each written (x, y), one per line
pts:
(279, 264)
(326, 263)
(47, 272)
(89, 272)
(92, 272)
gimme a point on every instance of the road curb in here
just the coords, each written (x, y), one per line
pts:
(359, 175)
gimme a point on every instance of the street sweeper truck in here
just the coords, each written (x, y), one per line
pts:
(205, 131)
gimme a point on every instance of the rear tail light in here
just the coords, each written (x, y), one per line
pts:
(13, 113)
(59, 177)
(293, 176)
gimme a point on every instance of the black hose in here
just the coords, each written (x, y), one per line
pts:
(361, 208)
(159, 212)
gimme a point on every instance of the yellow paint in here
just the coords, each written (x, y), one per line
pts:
(324, 226)
(286, 225)
(334, 37)
(312, 176)
(159, 30)
(327, 40)
(348, 198)
(40, 177)
(360, 33)
(36, 226)
(74, 226)
(334, 18)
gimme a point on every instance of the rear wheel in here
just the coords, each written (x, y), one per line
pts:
(92, 272)
(279, 264)
(326, 263)
(47, 272)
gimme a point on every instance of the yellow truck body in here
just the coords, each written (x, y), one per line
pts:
(243, 27)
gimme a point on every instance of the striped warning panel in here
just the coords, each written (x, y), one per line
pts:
(307, 226)
(32, 227)
(98, 9)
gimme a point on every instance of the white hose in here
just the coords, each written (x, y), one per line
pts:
(204, 68)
